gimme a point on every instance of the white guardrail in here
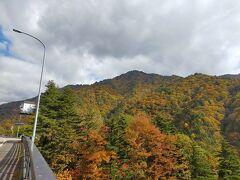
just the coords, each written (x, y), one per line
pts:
(2, 141)
(5, 139)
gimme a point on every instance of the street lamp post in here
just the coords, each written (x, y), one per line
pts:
(40, 85)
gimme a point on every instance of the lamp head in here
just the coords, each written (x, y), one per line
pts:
(15, 30)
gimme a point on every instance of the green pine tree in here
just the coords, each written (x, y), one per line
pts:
(229, 166)
(50, 101)
(200, 166)
(55, 129)
(67, 105)
(117, 123)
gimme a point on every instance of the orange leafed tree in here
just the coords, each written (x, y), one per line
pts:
(65, 175)
(151, 153)
(91, 155)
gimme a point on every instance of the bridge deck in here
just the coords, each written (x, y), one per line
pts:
(11, 161)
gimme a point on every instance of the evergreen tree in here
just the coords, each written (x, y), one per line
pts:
(229, 167)
(55, 128)
(200, 166)
(165, 123)
(67, 105)
(50, 101)
(117, 130)
(117, 125)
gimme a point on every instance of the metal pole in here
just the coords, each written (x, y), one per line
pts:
(18, 126)
(40, 86)
(18, 131)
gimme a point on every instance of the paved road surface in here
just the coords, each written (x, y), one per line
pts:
(11, 160)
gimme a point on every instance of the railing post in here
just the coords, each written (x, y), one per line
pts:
(26, 159)
(35, 165)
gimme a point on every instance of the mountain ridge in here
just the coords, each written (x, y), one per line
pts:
(122, 84)
(200, 113)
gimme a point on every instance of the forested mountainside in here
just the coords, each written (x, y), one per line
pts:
(140, 126)
(11, 110)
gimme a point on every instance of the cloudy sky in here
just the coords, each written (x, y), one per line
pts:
(89, 40)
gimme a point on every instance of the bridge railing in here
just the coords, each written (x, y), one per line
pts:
(35, 166)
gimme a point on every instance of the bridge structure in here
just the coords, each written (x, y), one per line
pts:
(19, 161)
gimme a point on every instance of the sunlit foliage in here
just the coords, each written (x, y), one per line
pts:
(140, 126)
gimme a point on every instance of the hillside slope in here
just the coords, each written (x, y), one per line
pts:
(198, 114)
(152, 92)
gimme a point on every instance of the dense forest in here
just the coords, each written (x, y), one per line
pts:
(140, 126)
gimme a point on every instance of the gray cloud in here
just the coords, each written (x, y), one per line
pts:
(90, 40)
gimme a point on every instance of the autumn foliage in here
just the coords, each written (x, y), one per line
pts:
(141, 126)
(151, 152)
(90, 156)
